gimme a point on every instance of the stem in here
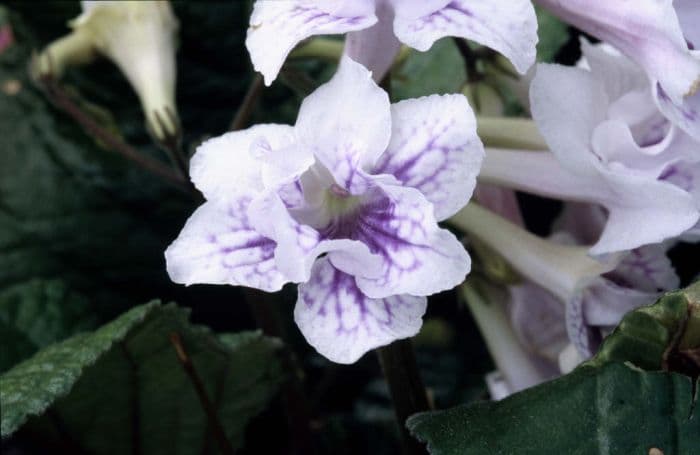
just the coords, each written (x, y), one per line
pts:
(536, 172)
(60, 99)
(296, 404)
(408, 393)
(562, 269)
(249, 100)
(219, 434)
(503, 345)
(509, 132)
(325, 48)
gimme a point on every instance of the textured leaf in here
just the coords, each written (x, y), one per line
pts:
(439, 70)
(121, 388)
(45, 311)
(611, 404)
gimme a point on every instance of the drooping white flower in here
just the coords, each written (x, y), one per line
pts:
(357, 179)
(276, 26)
(139, 37)
(659, 35)
(568, 297)
(605, 150)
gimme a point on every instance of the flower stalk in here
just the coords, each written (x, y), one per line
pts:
(506, 132)
(562, 269)
(398, 361)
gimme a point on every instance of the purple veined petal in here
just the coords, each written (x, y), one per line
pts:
(434, 148)
(584, 221)
(604, 303)
(647, 269)
(685, 114)
(342, 323)
(687, 177)
(375, 47)
(647, 31)
(219, 246)
(418, 257)
(347, 124)
(226, 166)
(537, 317)
(689, 16)
(585, 338)
(276, 26)
(298, 244)
(507, 27)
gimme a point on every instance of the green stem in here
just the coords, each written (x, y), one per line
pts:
(325, 48)
(408, 393)
(519, 133)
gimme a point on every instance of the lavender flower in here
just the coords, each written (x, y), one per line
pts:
(346, 202)
(610, 147)
(276, 26)
(660, 36)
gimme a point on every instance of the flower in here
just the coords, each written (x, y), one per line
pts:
(568, 301)
(276, 26)
(659, 36)
(609, 147)
(357, 180)
(139, 37)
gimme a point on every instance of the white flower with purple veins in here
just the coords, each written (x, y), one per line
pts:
(346, 202)
(609, 147)
(659, 35)
(276, 26)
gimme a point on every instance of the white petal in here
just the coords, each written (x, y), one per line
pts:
(689, 16)
(647, 31)
(342, 323)
(619, 74)
(508, 27)
(219, 246)
(377, 46)
(224, 167)
(419, 258)
(685, 114)
(434, 148)
(276, 26)
(346, 122)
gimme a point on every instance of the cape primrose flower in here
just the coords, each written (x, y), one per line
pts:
(139, 37)
(346, 202)
(276, 26)
(595, 157)
(659, 35)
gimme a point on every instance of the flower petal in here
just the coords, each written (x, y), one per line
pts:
(689, 16)
(226, 167)
(647, 269)
(346, 123)
(647, 31)
(219, 246)
(537, 316)
(342, 323)
(508, 27)
(419, 258)
(377, 46)
(434, 148)
(298, 245)
(684, 114)
(276, 26)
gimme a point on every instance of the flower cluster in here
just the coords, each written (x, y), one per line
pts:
(346, 202)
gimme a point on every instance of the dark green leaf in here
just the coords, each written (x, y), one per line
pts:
(122, 389)
(439, 70)
(552, 33)
(610, 404)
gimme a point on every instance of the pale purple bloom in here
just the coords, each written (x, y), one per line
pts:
(659, 35)
(610, 146)
(357, 180)
(276, 26)
(568, 301)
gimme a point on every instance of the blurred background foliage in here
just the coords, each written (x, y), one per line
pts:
(82, 235)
